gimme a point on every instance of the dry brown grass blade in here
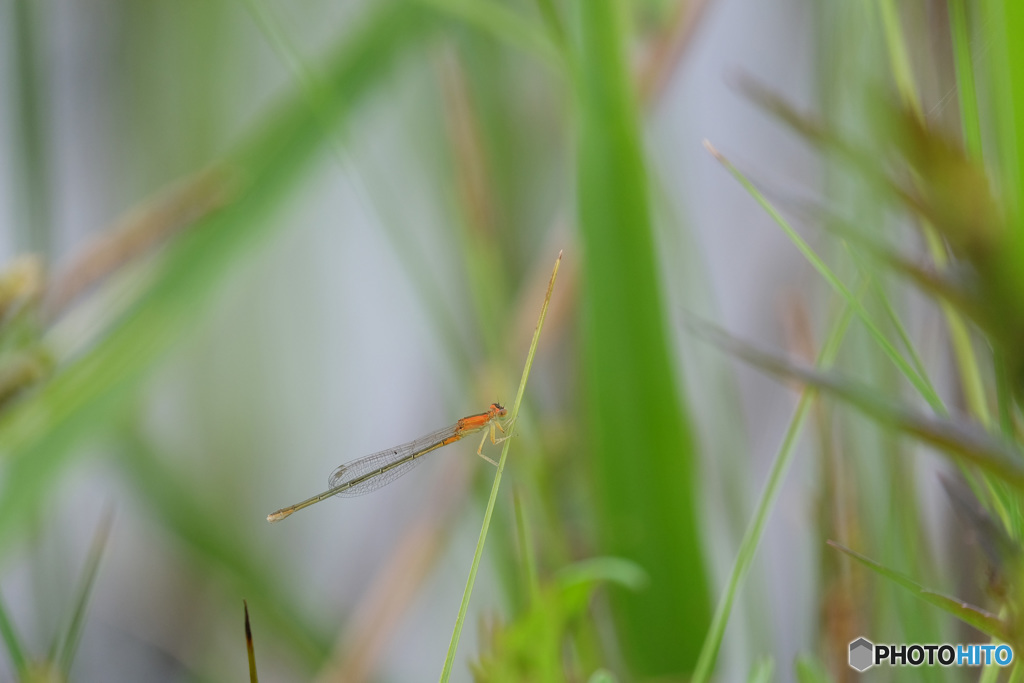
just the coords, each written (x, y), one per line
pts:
(472, 177)
(668, 50)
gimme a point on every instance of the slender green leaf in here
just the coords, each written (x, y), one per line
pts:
(752, 536)
(899, 58)
(602, 676)
(980, 619)
(810, 670)
(969, 120)
(496, 19)
(640, 436)
(604, 569)
(528, 563)
(69, 643)
(762, 671)
(12, 641)
(921, 383)
(449, 661)
(32, 156)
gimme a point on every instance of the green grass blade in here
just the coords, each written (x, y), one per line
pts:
(28, 107)
(763, 671)
(37, 435)
(555, 25)
(902, 73)
(980, 619)
(496, 19)
(890, 310)
(615, 570)
(527, 561)
(639, 432)
(969, 120)
(69, 643)
(921, 383)
(899, 59)
(449, 661)
(752, 537)
(12, 641)
(810, 670)
(1003, 22)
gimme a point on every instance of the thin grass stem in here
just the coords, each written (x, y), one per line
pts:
(968, 96)
(478, 554)
(13, 644)
(752, 537)
(920, 382)
(69, 644)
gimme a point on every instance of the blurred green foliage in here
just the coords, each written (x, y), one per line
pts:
(529, 115)
(641, 440)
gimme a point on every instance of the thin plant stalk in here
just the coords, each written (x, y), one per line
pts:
(921, 383)
(68, 645)
(478, 554)
(752, 537)
(12, 641)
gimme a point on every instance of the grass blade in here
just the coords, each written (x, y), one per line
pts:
(494, 18)
(637, 425)
(13, 644)
(69, 643)
(921, 383)
(980, 619)
(810, 670)
(527, 562)
(31, 151)
(969, 119)
(763, 671)
(615, 570)
(752, 537)
(478, 554)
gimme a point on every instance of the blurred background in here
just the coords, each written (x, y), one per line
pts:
(248, 241)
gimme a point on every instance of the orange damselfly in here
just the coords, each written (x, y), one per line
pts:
(371, 472)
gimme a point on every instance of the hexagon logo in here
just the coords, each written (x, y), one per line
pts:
(862, 654)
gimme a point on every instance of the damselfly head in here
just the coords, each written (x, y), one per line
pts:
(498, 410)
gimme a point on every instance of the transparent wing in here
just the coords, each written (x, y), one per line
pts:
(371, 472)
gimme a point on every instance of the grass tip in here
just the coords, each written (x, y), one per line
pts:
(711, 148)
